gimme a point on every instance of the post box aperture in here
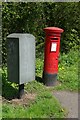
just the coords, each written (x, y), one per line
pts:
(51, 54)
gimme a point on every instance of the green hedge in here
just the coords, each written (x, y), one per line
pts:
(32, 17)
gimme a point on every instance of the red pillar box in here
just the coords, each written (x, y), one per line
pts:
(52, 48)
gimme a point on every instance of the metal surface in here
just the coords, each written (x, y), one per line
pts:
(52, 48)
(53, 30)
(21, 57)
(49, 79)
(13, 59)
(21, 91)
(27, 58)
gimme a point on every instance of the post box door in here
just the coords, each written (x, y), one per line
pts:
(54, 54)
(51, 56)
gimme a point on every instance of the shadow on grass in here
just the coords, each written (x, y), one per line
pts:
(39, 79)
(8, 91)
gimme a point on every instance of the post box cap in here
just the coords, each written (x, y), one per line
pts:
(53, 29)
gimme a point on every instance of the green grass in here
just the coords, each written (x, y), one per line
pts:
(68, 71)
(69, 78)
(39, 67)
(45, 104)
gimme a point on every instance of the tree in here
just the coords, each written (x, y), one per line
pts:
(32, 17)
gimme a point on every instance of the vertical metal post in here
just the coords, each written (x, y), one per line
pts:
(21, 91)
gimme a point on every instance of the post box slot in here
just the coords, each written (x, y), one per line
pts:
(54, 38)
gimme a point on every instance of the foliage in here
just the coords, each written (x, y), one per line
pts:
(68, 74)
(68, 71)
(69, 59)
(39, 67)
(42, 108)
(32, 17)
(11, 88)
(45, 104)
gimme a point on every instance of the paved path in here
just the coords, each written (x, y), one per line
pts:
(69, 100)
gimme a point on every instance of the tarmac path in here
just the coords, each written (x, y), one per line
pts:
(68, 100)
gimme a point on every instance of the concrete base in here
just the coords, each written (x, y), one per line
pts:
(49, 79)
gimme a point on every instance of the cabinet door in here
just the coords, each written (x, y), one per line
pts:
(13, 59)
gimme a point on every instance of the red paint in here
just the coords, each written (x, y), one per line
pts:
(51, 57)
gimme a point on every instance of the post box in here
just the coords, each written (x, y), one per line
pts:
(21, 58)
(51, 54)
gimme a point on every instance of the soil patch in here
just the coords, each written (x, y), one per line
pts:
(24, 101)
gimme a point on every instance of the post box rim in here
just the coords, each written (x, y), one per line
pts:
(53, 29)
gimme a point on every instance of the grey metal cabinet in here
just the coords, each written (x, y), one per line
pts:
(21, 57)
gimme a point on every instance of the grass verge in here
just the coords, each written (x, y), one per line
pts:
(45, 104)
(68, 71)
